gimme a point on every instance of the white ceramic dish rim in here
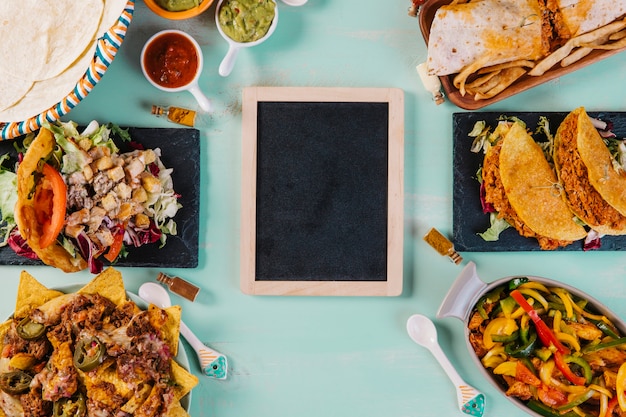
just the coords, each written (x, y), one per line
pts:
(467, 289)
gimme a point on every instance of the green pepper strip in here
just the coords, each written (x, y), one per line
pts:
(505, 338)
(577, 401)
(523, 350)
(516, 282)
(583, 364)
(606, 329)
(600, 346)
(546, 411)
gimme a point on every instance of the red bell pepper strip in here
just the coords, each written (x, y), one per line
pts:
(543, 331)
(49, 203)
(562, 366)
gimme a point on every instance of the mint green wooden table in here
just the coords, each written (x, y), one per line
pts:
(327, 356)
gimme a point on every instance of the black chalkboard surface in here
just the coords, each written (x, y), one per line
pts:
(322, 191)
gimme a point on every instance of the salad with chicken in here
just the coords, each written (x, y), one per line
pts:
(74, 196)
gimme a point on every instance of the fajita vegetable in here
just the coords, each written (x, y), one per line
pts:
(80, 200)
(550, 349)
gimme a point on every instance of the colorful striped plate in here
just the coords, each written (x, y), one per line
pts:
(106, 49)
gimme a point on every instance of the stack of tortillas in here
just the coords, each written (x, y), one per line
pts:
(46, 47)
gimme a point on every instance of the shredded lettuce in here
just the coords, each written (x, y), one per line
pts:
(8, 198)
(497, 226)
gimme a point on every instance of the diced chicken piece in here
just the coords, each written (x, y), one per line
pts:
(116, 173)
(96, 216)
(150, 183)
(520, 390)
(142, 221)
(74, 230)
(77, 178)
(134, 168)
(586, 331)
(97, 152)
(109, 202)
(104, 163)
(104, 236)
(78, 217)
(123, 191)
(84, 144)
(125, 211)
(140, 195)
(88, 172)
(475, 321)
(148, 156)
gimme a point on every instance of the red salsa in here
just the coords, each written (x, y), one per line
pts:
(171, 60)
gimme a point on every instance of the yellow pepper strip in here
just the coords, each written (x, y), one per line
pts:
(620, 384)
(498, 326)
(578, 411)
(604, 405)
(601, 390)
(494, 357)
(506, 368)
(519, 313)
(556, 322)
(567, 301)
(534, 285)
(535, 294)
(572, 341)
(588, 315)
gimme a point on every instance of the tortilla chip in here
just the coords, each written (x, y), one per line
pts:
(31, 294)
(176, 410)
(185, 380)
(25, 217)
(109, 284)
(171, 328)
(596, 156)
(532, 188)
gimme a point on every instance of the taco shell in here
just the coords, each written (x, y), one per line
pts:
(531, 187)
(594, 190)
(25, 216)
(596, 156)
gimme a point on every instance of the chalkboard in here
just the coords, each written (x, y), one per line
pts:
(322, 191)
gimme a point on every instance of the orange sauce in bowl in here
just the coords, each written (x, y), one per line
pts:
(171, 60)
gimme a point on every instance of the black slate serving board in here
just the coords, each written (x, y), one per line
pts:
(180, 150)
(468, 218)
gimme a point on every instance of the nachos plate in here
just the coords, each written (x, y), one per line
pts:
(91, 349)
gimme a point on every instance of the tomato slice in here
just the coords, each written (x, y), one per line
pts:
(49, 202)
(116, 247)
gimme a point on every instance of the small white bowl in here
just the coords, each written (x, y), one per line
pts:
(191, 86)
(227, 64)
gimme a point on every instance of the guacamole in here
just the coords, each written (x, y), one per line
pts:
(178, 5)
(246, 20)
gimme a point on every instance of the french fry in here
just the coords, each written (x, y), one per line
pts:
(552, 59)
(576, 56)
(507, 77)
(610, 46)
(481, 80)
(461, 78)
(516, 63)
(618, 35)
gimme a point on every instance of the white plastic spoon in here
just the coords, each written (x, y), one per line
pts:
(423, 332)
(213, 363)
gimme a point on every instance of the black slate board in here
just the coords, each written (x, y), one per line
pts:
(180, 150)
(468, 218)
